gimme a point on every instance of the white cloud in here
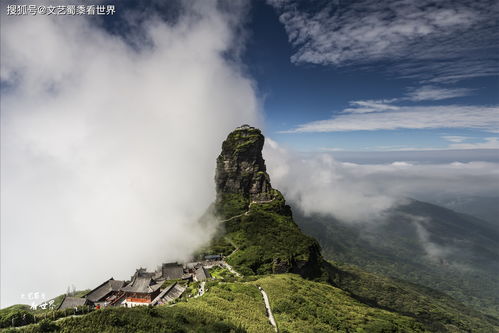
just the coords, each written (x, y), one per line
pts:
(455, 138)
(489, 143)
(433, 250)
(484, 118)
(331, 149)
(448, 41)
(401, 164)
(108, 151)
(322, 185)
(370, 106)
(433, 93)
(318, 184)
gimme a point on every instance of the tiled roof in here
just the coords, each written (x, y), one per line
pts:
(99, 293)
(202, 274)
(71, 302)
(172, 271)
(142, 284)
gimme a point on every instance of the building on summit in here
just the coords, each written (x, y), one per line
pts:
(73, 302)
(172, 271)
(105, 293)
(144, 287)
(142, 290)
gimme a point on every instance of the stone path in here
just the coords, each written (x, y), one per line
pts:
(201, 289)
(267, 307)
(247, 212)
(229, 267)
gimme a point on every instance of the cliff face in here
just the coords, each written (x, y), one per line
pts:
(255, 216)
(241, 168)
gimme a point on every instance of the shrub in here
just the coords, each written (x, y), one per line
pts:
(46, 325)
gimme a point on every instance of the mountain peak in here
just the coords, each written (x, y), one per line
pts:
(240, 166)
(260, 236)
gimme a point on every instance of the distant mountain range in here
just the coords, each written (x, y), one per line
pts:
(422, 243)
(485, 208)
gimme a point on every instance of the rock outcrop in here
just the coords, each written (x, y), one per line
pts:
(255, 216)
(241, 168)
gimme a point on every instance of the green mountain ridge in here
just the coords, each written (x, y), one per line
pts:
(254, 229)
(466, 266)
(260, 239)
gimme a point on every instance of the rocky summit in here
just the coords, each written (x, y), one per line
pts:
(256, 220)
(241, 167)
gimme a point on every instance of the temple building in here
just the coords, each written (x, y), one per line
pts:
(105, 293)
(142, 290)
(201, 274)
(73, 302)
(172, 271)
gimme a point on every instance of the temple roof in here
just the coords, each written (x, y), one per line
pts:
(71, 302)
(172, 271)
(142, 284)
(202, 274)
(99, 293)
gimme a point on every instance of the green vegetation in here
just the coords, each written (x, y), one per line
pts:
(468, 272)
(16, 315)
(268, 240)
(239, 141)
(139, 319)
(265, 238)
(227, 307)
(237, 303)
(221, 273)
(437, 311)
(305, 306)
(191, 290)
(298, 305)
(231, 204)
(260, 239)
(19, 315)
(219, 245)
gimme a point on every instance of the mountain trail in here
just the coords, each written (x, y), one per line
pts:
(247, 212)
(232, 270)
(268, 310)
(201, 290)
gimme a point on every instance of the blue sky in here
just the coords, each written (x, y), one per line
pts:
(438, 63)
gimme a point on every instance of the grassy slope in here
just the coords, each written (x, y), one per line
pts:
(299, 306)
(437, 311)
(469, 274)
(265, 235)
(305, 306)
(21, 314)
(268, 231)
(140, 319)
(363, 301)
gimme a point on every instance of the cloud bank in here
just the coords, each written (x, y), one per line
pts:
(109, 147)
(359, 193)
